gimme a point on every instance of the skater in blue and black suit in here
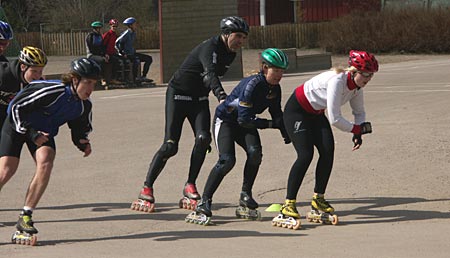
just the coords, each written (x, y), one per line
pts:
(34, 118)
(236, 122)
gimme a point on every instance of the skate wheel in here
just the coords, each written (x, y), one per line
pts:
(274, 223)
(309, 217)
(180, 204)
(335, 220)
(279, 224)
(33, 241)
(297, 225)
(284, 225)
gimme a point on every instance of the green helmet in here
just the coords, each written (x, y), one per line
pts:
(96, 24)
(275, 57)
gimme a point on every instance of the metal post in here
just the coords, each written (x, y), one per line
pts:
(262, 12)
(41, 30)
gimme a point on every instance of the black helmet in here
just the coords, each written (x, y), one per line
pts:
(85, 67)
(233, 24)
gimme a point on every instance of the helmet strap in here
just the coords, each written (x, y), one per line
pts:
(225, 38)
(23, 72)
(75, 87)
(353, 80)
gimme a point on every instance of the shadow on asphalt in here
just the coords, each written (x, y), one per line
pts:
(369, 210)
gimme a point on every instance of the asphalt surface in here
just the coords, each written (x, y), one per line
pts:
(392, 196)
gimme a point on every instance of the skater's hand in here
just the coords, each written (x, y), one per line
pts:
(85, 147)
(41, 138)
(357, 141)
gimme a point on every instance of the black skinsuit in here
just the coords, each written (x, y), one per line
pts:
(11, 81)
(187, 97)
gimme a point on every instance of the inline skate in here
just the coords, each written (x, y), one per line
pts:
(288, 216)
(202, 214)
(321, 211)
(145, 201)
(248, 207)
(190, 197)
(26, 232)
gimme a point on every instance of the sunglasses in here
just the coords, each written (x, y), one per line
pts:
(366, 74)
(115, 26)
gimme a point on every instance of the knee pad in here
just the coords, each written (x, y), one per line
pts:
(225, 164)
(254, 155)
(203, 139)
(168, 149)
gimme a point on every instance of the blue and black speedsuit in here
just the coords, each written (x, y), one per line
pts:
(44, 106)
(236, 122)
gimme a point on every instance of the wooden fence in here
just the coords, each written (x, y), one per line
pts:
(279, 35)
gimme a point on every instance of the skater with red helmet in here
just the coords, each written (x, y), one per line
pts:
(307, 126)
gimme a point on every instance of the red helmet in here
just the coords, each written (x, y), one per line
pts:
(113, 22)
(363, 61)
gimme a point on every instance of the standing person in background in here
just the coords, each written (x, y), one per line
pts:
(109, 42)
(125, 48)
(235, 122)
(6, 35)
(16, 74)
(307, 126)
(34, 118)
(187, 97)
(97, 51)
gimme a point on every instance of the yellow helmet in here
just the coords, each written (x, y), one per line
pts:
(33, 56)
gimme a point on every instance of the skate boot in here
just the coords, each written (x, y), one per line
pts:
(190, 197)
(321, 211)
(25, 230)
(202, 214)
(247, 207)
(145, 201)
(288, 217)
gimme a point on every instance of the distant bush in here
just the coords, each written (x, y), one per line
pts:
(411, 31)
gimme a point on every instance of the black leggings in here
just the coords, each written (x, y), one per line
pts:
(306, 131)
(143, 58)
(198, 114)
(226, 135)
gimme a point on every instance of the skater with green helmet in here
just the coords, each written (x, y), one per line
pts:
(273, 57)
(236, 122)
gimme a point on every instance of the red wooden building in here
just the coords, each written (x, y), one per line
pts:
(267, 12)
(325, 10)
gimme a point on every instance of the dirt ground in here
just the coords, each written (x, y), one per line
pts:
(392, 196)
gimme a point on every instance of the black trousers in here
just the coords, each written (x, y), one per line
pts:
(306, 132)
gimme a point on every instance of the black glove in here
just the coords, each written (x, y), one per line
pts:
(356, 139)
(285, 135)
(82, 146)
(222, 95)
(366, 127)
(286, 139)
(33, 134)
(278, 123)
(262, 123)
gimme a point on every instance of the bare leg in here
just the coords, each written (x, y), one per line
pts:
(44, 158)
(8, 167)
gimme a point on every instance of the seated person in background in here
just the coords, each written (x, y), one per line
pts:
(109, 42)
(97, 51)
(124, 46)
